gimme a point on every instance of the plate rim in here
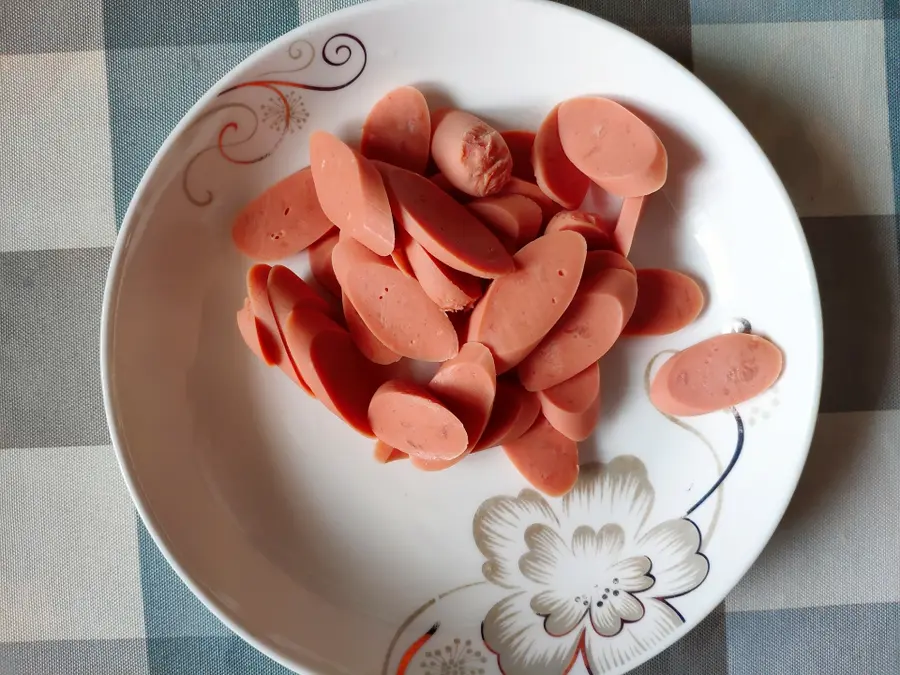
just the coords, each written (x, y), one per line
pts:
(315, 665)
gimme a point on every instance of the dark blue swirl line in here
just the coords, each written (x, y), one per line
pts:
(731, 464)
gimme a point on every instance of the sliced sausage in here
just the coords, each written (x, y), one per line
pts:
(599, 260)
(588, 329)
(517, 186)
(441, 181)
(545, 458)
(626, 225)
(467, 385)
(667, 302)
(351, 192)
(515, 411)
(612, 146)
(518, 310)
(408, 417)
(393, 306)
(339, 376)
(320, 263)
(385, 454)
(573, 407)
(256, 336)
(715, 374)
(554, 173)
(520, 143)
(470, 153)
(443, 226)
(449, 289)
(597, 231)
(369, 345)
(515, 219)
(282, 221)
(398, 130)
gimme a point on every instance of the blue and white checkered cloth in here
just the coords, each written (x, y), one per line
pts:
(88, 91)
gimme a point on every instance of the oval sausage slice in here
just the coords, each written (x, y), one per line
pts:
(588, 329)
(667, 302)
(449, 289)
(385, 454)
(715, 374)
(516, 220)
(470, 153)
(320, 264)
(612, 146)
(515, 411)
(467, 385)
(351, 192)
(576, 394)
(520, 143)
(600, 260)
(369, 345)
(256, 336)
(282, 221)
(517, 186)
(398, 130)
(339, 376)
(554, 173)
(545, 458)
(411, 419)
(392, 305)
(518, 310)
(576, 426)
(597, 232)
(444, 227)
(441, 181)
(626, 225)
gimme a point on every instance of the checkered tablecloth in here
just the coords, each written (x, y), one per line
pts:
(88, 91)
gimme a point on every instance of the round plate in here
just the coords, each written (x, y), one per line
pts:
(274, 512)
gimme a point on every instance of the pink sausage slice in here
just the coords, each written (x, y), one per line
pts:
(612, 146)
(339, 376)
(715, 374)
(516, 220)
(576, 394)
(282, 221)
(574, 426)
(626, 226)
(467, 384)
(515, 411)
(600, 260)
(385, 454)
(411, 419)
(667, 302)
(369, 345)
(597, 232)
(518, 310)
(517, 186)
(320, 264)
(398, 130)
(443, 226)
(589, 329)
(470, 153)
(351, 192)
(545, 458)
(441, 181)
(520, 143)
(256, 336)
(287, 290)
(448, 288)
(393, 306)
(554, 173)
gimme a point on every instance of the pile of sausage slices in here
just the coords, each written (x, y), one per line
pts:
(444, 240)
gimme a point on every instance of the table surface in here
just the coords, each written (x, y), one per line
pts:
(89, 89)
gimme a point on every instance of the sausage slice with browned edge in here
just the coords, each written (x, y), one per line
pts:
(282, 221)
(555, 175)
(588, 329)
(351, 192)
(449, 289)
(444, 227)
(715, 374)
(411, 419)
(596, 230)
(545, 458)
(667, 302)
(393, 306)
(612, 146)
(398, 130)
(518, 310)
(515, 219)
(514, 411)
(470, 153)
(573, 407)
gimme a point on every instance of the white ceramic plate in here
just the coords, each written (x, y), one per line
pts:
(273, 511)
